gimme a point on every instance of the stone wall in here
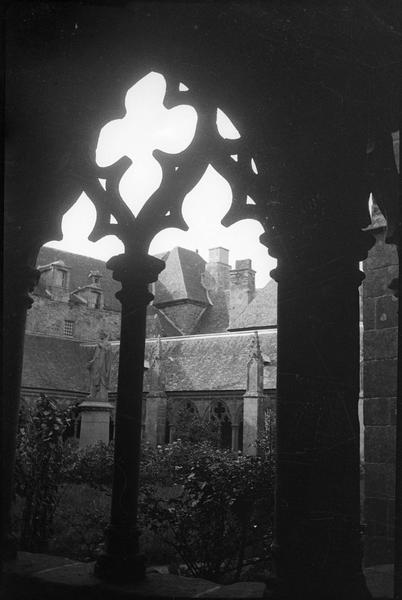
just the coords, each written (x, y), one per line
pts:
(48, 317)
(380, 321)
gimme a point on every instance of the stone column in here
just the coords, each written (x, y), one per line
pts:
(235, 438)
(317, 543)
(253, 399)
(19, 281)
(121, 560)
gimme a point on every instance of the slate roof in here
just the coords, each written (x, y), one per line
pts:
(54, 363)
(189, 363)
(262, 310)
(181, 278)
(212, 362)
(216, 318)
(80, 266)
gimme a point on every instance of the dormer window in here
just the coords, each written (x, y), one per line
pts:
(55, 279)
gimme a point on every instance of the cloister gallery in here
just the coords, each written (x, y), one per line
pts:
(314, 93)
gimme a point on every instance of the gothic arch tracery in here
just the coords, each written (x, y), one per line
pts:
(181, 172)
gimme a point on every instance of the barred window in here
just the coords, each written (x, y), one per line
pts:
(69, 328)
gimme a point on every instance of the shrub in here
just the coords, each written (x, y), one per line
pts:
(92, 466)
(211, 506)
(39, 466)
(189, 427)
(80, 519)
(199, 505)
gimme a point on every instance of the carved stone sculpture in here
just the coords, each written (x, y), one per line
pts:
(99, 370)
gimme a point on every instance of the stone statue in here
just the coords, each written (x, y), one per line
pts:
(99, 369)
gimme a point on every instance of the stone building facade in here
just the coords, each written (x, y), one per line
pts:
(203, 320)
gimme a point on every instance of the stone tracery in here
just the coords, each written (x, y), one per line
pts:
(181, 172)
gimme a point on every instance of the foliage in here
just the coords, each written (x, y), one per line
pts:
(39, 467)
(212, 506)
(199, 505)
(92, 466)
(266, 440)
(189, 427)
(80, 520)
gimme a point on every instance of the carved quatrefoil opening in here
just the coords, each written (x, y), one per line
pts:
(152, 163)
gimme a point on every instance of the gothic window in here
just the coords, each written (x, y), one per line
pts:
(69, 328)
(219, 413)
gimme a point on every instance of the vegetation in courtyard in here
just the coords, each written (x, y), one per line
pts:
(39, 469)
(211, 506)
(204, 511)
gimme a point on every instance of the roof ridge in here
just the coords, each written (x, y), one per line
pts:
(76, 254)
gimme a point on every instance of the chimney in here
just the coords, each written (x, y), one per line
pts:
(218, 266)
(242, 287)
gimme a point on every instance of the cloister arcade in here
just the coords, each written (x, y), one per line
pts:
(314, 93)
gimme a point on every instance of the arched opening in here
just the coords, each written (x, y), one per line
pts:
(295, 264)
(231, 264)
(218, 413)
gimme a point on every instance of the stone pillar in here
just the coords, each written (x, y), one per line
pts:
(253, 399)
(95, 422)
(317, 544)
(235, 438)
(156, 400)
(121, 560)
(18, 282)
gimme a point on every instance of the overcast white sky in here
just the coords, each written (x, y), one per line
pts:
(148, 125)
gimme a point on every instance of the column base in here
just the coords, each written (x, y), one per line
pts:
(120, 569)
(349, 589)
(121, 562)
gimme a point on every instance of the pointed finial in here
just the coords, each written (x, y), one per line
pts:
(255, 349)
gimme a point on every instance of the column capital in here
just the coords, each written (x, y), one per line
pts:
(135, 272)
(318, 256)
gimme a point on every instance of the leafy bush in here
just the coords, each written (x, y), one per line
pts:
(80, 519)
(92, 466)
(199, 505)
(189, 427)
(39, 466)
(211, 506)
